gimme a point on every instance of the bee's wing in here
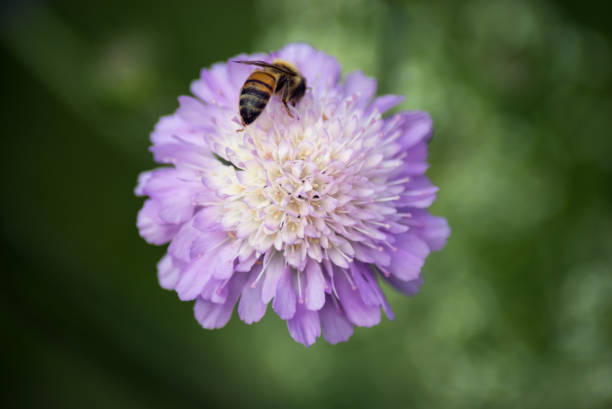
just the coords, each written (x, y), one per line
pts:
(266, 65)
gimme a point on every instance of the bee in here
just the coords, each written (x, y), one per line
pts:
(279, 77)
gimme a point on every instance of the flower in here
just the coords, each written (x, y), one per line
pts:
(307, 211)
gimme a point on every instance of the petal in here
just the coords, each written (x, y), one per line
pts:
(194, 112)
(195, 277)
(151, 227)
(215, 291)
(202, 242)
(207, 219)
(407, 261)
(369, 255)
(418, 126)
(224, 259)
(435, 230)
(381, 297)
(419, 193)
(184, 155)
(385, 103)
(371, 294)
(251, 309)
(274, 270)
(212, 86)
(170, 126)
(143, 178)
(320, 70)
(182, 242)
(168, 272)
(362, 86)
(368, 294)
(315, 287)
(238, 73)
(212, 315)
(336, 327)
(304, 327)
(175, 192)
(355, 309)
(406, 287)
(285, 298)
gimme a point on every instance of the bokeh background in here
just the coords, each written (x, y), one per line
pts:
(516, 311)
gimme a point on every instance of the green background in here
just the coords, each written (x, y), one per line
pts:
(516, 311)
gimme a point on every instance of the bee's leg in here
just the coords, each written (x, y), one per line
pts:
(284, 98)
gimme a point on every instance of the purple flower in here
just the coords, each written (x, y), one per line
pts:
(306, 213)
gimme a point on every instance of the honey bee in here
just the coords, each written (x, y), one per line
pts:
(279, 77)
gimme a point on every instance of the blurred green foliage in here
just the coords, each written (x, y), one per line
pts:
(516, 310)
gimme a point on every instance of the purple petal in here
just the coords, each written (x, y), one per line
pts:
(355, 309)
(315, 288)
(336, 327)
(215, 291)
(418, 127)
(371, 294)
(203, 242)
(212, 315)
(381, 297)
(247, 264)
(193, 112)
(143, 179)
(168, 272)
(174, 191)
(218, 86)
(320, 70)
(194, 278)
(385, 103)
(285, 299)
(224, 259)
(274, 270)
(168, 127)
(407, 261)
(251, 309)
(238, 73)
(151, 227)
(304, 327)
(419, 193)
(182, 242)
(368, 295)
(435, 230)
(363, 86)
(406, 287)
(207, 219)
(369, 255)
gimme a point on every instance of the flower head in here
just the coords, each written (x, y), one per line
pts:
(307, 211)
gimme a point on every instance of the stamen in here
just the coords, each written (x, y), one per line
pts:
(222, 286)
(382, 199)
(388, 199)
(385, 225)
(399, 181)
(299, 283)
(350, 280)
(350, 260)
(218, 245)
(205, 203)
(390, 246)
(384, 270)
(371, 245)
(263, 269)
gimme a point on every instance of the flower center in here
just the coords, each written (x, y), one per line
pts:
(313, 186)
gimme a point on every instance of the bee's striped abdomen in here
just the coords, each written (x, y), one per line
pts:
(255, 94)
